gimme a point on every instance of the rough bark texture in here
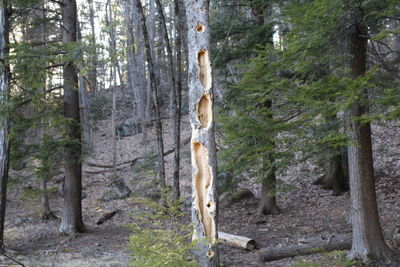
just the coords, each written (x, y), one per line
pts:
(368, 241)
(160, 145)
(72, 210)
(267, 204)
(336, 176)
(340, 242)
(4, 143)
(204, 162)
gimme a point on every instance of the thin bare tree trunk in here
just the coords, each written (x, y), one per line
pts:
(160, 145)
(175, 106)
(113, 84)
(4, 125)
(93, 67)
(72, 209)
(368, 241)
(178, 97)
(204, 161)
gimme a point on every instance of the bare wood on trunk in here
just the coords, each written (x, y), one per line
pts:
(338, 242)
(204, 161)
(237, 241)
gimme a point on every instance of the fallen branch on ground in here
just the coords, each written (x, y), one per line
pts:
(237, 241)
(312, 246)
(92, 164)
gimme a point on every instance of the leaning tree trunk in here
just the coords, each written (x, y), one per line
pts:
(368, 241)
(204, 161)
(4, 143)
(72, 210)
(160, 145)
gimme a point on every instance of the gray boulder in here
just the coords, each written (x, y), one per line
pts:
(129, 127)
(116, 190)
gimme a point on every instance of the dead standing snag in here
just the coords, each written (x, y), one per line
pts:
(204, 164)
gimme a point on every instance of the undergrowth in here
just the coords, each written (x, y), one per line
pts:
(160, 236)
(331, 259)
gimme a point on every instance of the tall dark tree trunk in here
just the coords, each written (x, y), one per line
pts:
(368, 241)
(204, 161)
(160, 145)
(4, 125)
(72, 209)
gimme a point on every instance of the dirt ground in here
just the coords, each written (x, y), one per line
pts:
(307, 210)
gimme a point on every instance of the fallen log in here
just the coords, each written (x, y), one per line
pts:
(106, 217)
(312, 246)
(237, 241)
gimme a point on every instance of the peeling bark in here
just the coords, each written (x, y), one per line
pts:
(204, 164)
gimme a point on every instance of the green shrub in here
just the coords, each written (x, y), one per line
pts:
(160, 237)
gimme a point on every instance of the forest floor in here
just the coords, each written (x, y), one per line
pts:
(306, 209)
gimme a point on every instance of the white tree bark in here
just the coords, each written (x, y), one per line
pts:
(204, 162)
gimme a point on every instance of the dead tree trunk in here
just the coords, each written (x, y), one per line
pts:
(368, 241)
(160, 145)
(72, 210)
(204, 162)
(4, 126)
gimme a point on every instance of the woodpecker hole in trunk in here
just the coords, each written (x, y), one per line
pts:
(200, 28)
(205, 69)
(202, 181)
(204, 111)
